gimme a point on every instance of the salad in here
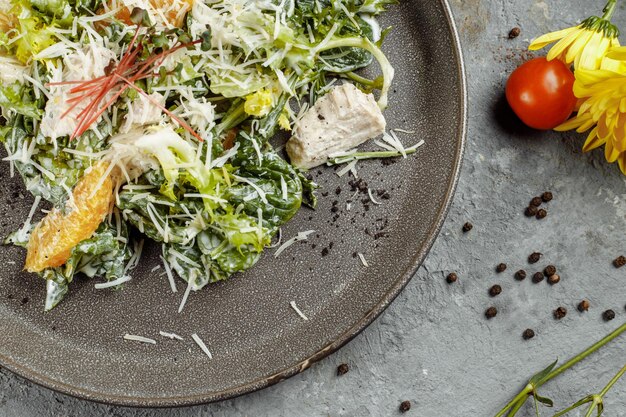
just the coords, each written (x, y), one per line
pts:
(153, 118)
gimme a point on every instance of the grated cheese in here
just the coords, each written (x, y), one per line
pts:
(113, 283)
(409, 132)
(369, 192)
(297, 310)
(200, 343)
(300, 236)
(251, 183)
(348, 168)
(363, 261)
(170, 276)
(171, 335)
(185, 296)
(139, 339)
(283, 186)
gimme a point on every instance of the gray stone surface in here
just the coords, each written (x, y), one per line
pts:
(433, 346)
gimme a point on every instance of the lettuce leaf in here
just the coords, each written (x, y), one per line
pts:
(13, 97)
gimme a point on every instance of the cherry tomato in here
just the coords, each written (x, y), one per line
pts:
(541, 93)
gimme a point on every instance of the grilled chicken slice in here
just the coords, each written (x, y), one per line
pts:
(339, 121)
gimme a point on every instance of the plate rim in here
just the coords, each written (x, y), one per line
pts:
(342, 340)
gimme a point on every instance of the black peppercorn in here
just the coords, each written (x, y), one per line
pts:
(531, 211)
(342, 369)
(541, 214)
(491, 312)
(500, 268)
(528, 334)
(467, 227)
(495, 290)
(534, 257)
(537, 277)
(608, 315)
(535, 202)
(405, 406)
(554, 279)
(583, 306)
(560, 312)
(547, 196)
(452, 278)
(550, 270)
(520, 275)
(619, 262)
(514, 33)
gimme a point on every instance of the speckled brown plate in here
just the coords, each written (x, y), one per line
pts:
(255, 336)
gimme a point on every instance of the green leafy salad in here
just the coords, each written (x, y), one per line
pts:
(153, 118)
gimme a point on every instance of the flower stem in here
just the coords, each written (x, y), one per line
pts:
(609, 9)
(612, 381)
(519, 398)
(591, 349)
(515, 404)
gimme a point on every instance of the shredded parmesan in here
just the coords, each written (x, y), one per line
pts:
(300, 236)
(139, 339)
(409, 132)
(185, 296)
(283, 186)
(171, 335)
(200, 343)
(297, 310)
(363, 261)
(113, 283)
(343, 171)
(170, 276)
(369, 192)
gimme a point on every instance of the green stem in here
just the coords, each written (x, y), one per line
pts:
(609, 9)
(591, 349)
(361, 80)
(237, 116)
(369, 155)
(521, 397)
(517, 407)
(613, 381)
(364, 43)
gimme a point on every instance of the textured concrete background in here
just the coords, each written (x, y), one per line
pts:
(433, 346)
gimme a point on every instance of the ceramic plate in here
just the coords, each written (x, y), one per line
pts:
(256, 338)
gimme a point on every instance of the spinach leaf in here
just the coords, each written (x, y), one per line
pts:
(104, 254)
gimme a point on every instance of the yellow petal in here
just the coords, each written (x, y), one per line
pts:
(617, 53)
(562, 45)
(622, 162)
(592, 142)
(610, 153)
(577, 47)
(573, 123)
(593, 52)
(547, 39)
(586, 126)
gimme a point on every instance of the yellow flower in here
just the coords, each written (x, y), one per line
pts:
(584, 45)
(602, 108)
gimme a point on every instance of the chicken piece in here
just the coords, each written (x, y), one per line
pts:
(341, 120)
